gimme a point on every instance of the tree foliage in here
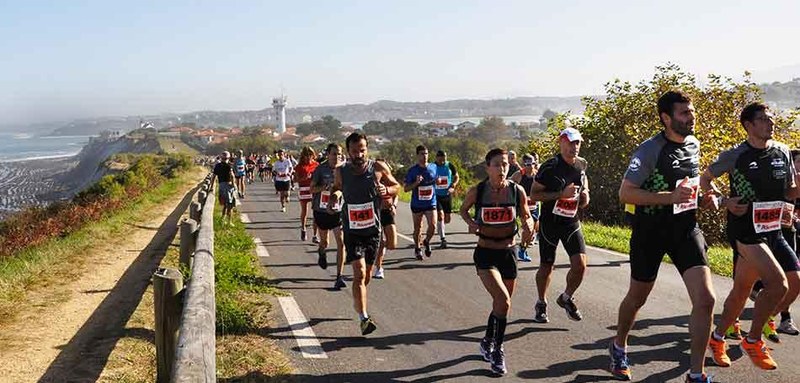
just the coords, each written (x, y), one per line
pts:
(248, 144)
(615, 125)
(491, 129)
(392, 129)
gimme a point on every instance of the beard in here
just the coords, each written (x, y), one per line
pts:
(358, 161)
(682, 128)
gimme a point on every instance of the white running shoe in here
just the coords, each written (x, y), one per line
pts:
(788, 327)
(378, 273)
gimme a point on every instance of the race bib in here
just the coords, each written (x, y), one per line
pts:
(567, 207)
(324, 198)
(304, 193)
(425, 193)
(767, 216)
(499, 215)
(442, 183)
(693, 183)
(240, 168)
(283, 177)
(361, 216)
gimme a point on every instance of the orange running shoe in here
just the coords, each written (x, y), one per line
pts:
(759, 354)
(719, 352)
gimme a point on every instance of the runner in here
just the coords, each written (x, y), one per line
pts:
(261, 163)
(389, 239)
(361, 183)
(223, 172)
(562, 187)
(250, 168)
(513, 165)
(525, 178)
(239, 171)
(294, 163)
(321, 182)
(762, 181)
(420, 181)
(268, 161)
(498, 202)
(283, 175)
(302, 176)
(661, 181)
(446, 180)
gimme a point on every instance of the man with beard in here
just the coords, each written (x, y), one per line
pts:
(662, 181)
(361, 184)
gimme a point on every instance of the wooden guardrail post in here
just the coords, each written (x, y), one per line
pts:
(195, 209)
(201, 197)
(167, 287)
(188, 242)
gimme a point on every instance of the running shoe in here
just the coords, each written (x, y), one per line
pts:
(378, 273)
(719, 352)
(759, 354)
(787, 327)
(322, 261)
(569, 306)
(498, 361)
(303, 235)
(770, 331)
(754, 294)
(418, 253)
(368, 326)
(427, 248)
(486, 347)
(702, 379)
(734, 332)
(283, 209)
(339, 284)
(314, 239)
(443, 244)
(619, 363)
(522, 255)
(540, 312)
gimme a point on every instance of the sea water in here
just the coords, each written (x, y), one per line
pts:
(16, 147)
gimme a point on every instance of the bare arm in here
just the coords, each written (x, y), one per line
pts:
(517, 176)
(538, 193)
(525, 214)
(469, 202)
(387, 179)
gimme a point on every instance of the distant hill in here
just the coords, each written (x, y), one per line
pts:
(784, 94)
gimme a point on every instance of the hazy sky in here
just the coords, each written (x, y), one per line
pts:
(94, 58)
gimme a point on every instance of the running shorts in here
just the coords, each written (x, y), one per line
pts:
(570, 235)
(781, 249)
(422, 209)
(359, 246)
(327, 221)
(282, 186)
(444, 203)
(387, 217)
(503, 260)
(686, 248)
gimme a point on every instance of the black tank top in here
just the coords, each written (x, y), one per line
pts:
(361, 207)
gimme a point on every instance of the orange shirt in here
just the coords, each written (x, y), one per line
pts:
(304, 171)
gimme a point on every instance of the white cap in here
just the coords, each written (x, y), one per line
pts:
(572, 134)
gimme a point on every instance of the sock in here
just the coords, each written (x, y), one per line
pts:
(490, 327)
(751, 340)
(499, 332)
(541, 301)
(716, 336)
(363, 316)
(565, 296)
(785, 315)
(617, 347)
(695, 375)
(440, 226)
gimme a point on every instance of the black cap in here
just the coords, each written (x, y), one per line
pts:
(441, 153)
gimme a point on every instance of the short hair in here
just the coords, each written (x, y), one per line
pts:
(331, 146)
(749, 112)
(421, 148)
(494, 153)
(307, 151)
(667, 101)
(355, 137)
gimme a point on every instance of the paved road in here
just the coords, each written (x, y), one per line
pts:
(432, 313)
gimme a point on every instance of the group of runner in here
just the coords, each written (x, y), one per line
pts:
(355, 198)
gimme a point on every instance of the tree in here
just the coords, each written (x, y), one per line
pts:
(491, 130)
(615, 125)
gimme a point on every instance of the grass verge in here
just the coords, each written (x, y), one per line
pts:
(62, 259)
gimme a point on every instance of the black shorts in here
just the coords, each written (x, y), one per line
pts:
(782, 249)
(282, 186)
(327, 221)
(570, 235)
(417, 210)
(387, 217)
(444, 203)
(503, 260)
(686, 248)
(359, 246)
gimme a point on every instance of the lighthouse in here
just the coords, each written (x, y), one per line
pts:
(279, 103)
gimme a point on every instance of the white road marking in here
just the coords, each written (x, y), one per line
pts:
(407, 238)
(306, 339)
(610, 252)
(245, 218)
(261, 250)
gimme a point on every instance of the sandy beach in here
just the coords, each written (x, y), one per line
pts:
(32, 183)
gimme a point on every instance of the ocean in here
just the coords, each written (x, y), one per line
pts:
(15, 147)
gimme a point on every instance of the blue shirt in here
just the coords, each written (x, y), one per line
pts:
(444, 178)
(239, 169)
(423, 196)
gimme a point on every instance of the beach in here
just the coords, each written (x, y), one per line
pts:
(32, 183)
